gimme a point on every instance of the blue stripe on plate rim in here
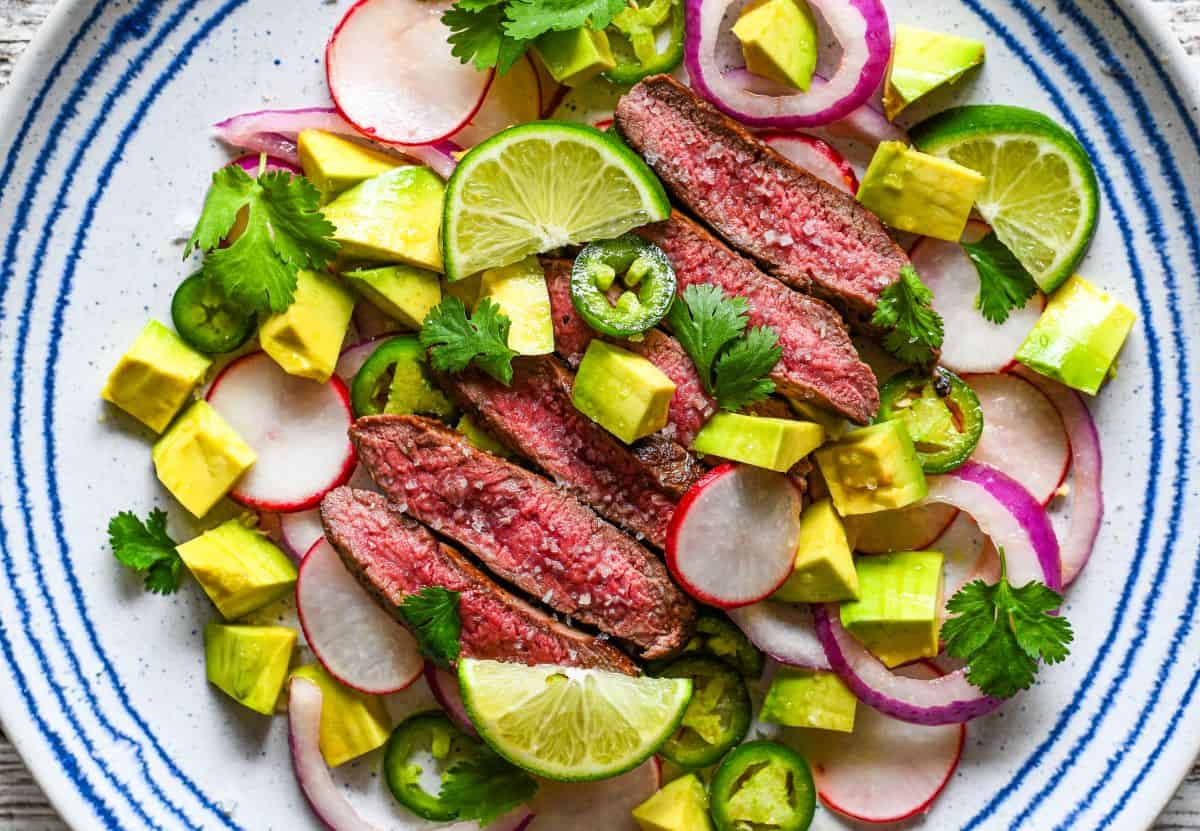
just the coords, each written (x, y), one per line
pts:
(134, 27)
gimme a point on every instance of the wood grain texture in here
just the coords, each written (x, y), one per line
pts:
(22, 805)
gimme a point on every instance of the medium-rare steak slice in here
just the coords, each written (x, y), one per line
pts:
(809, 234)
(535, 417)
(526, 530)
(819, 362)
(394, 556)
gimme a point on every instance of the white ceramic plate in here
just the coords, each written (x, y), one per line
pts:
(106, 156)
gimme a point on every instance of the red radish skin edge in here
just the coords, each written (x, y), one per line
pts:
(848, 178)
(449, 697)
(783, 631)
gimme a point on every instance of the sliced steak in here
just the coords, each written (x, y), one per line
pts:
(526, 531)
(819, 363)
(394, 556)
(535, 417)
(809, 234)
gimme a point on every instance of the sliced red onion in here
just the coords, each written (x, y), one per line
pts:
(868, 125)
(1008, 514)
(950, 699)
(783, 631)
(1086, 474)
(860, 26)
(250, 164)
(444, 685)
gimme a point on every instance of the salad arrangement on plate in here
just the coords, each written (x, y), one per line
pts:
(568, 372)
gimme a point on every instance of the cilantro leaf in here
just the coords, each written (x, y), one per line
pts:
(432, 614)
(1003, 632)
(454, 340)
(147, 548)
(285, 231)
(904, 308)
(477, 35)
(485, 787)
(740, 377)
(1004, 284)
(529, 18)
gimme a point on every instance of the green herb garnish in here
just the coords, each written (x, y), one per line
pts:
(1004, 284)
(454, 341)
(485, 787)
(147, 548)
(432, 614)
(915, 330)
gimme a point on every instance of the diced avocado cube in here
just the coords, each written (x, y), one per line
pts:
(391, 218)
(334, 163)
(923, 61)
(824, 571)
(622, 392)
(352, 724)
(900, 599)
(480, 438)
(1078, 336)
(249, 663)
(808, 698)
(520, 292)
(575, 55)
(200, 458)
(834, 425)
(873, 469)
(306, 340)
(239, 569)
(772, 443)
(779, 41)
(680, 806)
(763, 799)
(919, 193)
(153, 380)
(402, 292)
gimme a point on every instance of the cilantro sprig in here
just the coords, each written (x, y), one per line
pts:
(733, 363)
(485, 787)
(497, 32)
(1004, 284)
(1002, 632)
(454, 340)
(148, 549)
(432, 615)
(285, 231)
(915, 330)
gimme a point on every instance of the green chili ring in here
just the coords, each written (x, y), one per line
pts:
(717, 718)
(637, 27)
(942, 414)
(746, 767)
(373, 389)
(206, 319)
(646, 271)
(430, 731)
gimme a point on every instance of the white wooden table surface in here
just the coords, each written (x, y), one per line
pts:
(22, 805)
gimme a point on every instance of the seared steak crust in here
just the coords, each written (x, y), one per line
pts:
(809, 234)
(394, 556)
(526, 531)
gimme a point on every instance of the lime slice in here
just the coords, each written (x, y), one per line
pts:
(539, 186)
(1041, 196)
(571, 724)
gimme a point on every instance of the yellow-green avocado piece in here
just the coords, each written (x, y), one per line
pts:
(352, 724)
(391, 218)
(764, 799)
(306, 340)
(480, 438)
(771, 443)
(810, 698)
(520, 292)
(239, 568)
(680, 806)
(334, 163)
(897, 615)
(402, 292)
(779, 41)
(152, 381)
(824, 570)
(201, 458)
(919, 193)
(1078, 337)
(873, 469)
(574, 56)
(923, 61)
(249, 663)
(622, 392)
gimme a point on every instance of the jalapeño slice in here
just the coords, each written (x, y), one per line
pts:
(641, 267)
(428, 737)
(717, 717)
(635, 37)
(395, 380)
(764, 786)
(206, 319)
(941, 412)
(717, 637)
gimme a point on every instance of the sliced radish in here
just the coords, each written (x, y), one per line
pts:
(815, 156)
(963, 546)
(971, 343)
(296, 427)
(909, 529)
(732, 540)
(887, 770)
(606, 805)
(352, 636)
(444, 685)
(300, 531)
(514, 98)
(783, 631)
(392, 76)
(1023, 434)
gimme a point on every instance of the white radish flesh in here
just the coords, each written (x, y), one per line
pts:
(444, 685)
(300, 531)
(783, 631)
(514, 98)
(606, 805)
(815, 156)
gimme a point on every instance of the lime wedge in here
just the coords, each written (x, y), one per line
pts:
(571, 724)
(539, 186)
(1041, 196)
